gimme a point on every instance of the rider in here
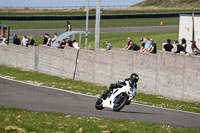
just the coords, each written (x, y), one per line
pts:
(132, 82)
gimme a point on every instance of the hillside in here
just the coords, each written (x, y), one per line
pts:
(168, 4)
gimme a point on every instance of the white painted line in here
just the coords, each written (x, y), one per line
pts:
(94, 96)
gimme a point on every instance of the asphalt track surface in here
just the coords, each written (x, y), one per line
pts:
(46, 99)
(38, 32)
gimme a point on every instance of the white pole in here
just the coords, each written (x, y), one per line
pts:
(87, 18)
(98, 18)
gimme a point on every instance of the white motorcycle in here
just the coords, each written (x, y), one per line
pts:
(117, 98)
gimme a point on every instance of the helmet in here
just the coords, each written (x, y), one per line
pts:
(134, 78)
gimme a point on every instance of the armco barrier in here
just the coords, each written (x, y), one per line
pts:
(171, 75)
(91, 17)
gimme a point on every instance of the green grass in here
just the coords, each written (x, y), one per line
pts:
(105, 23)
(18, 120)
(93, 89)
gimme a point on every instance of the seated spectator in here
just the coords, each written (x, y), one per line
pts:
(184, 43)
(153, 48)
(62, 44)
(108, 45)
(75, 45)
(168, 46)
(3, 40)
(134, 46)
(54, 38)
(195, 50)
(13, 37)
(24, 41)
(49, 40)
(128, 45)
(147, 45)
(179, 48)
(68, 42)
(142, 45)
(45, 40)
(16, 40)
(31, 41)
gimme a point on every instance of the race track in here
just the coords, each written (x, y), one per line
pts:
(38, 32)
(44, 99)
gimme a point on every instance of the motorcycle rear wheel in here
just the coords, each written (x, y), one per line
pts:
(98, 104)
(120, 101)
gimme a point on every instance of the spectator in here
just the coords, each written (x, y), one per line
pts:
(3, 40)
(195, 50)
(134, 46)
(17, 40)
(142, 45)
(68, 42)
(13, 37)
(75, 45)
(62, 44)
(153, 48)
(24, 41)
(147, 45)
(54, 38)
(49, 40)
(179, 48)
(184, 44)
(108, 45)
(168, 46)
(31, 41)
(128, 45)
(45, 40)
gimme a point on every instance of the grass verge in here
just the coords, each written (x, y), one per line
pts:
(93, 89)
(18, 120)
(105, 23)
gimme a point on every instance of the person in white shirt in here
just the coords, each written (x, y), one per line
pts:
(24, 41)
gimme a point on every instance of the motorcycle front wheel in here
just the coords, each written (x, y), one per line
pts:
(98, 104)
(120, 101)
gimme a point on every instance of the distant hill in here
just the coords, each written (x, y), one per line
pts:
(168, 4)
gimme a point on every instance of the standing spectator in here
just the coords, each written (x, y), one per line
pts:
(128, 45)
(168, 46)
(75, 45)
(153, 48)
(69, 26)
(179, 48)
(24, 41)
(17, 40)
(108, 45)
(31, 41)
(54, 38)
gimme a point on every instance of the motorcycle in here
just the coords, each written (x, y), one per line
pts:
(117, 98)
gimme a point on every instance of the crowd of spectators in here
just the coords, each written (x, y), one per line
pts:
(147, 44)
(25, 42)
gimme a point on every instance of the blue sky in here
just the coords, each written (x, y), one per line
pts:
(32, 3)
